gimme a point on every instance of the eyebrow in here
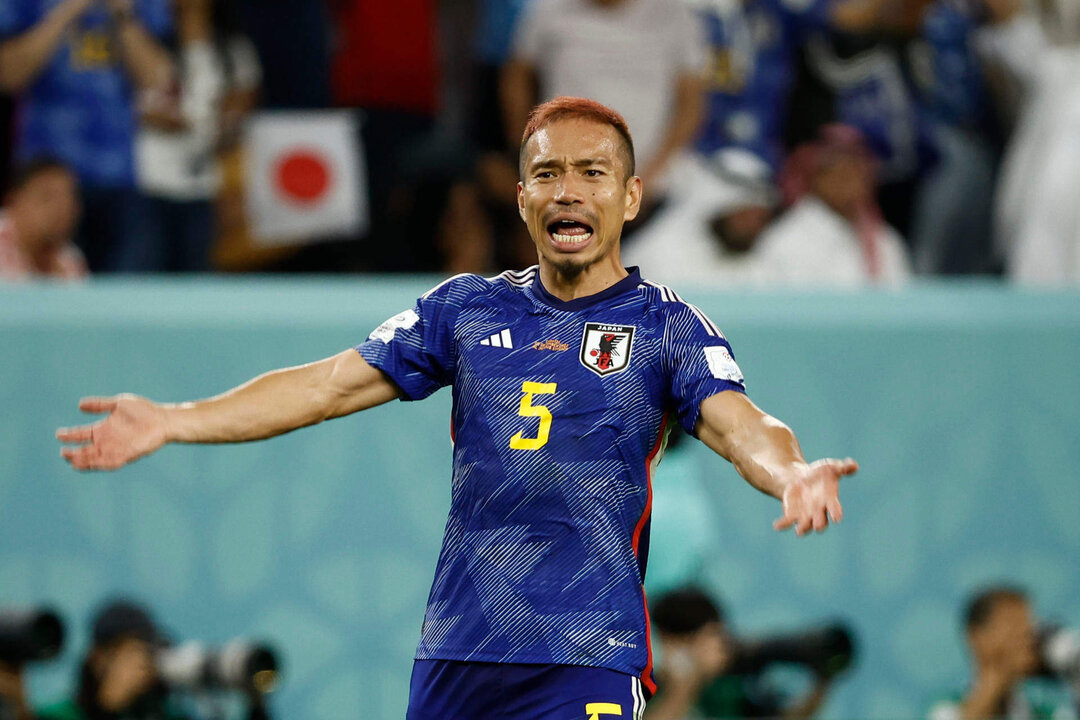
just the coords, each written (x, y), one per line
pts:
(590, 161)
(546, 162)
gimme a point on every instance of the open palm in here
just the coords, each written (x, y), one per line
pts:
(134, 427)
(812, 500)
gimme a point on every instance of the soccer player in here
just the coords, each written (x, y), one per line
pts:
(564, 379)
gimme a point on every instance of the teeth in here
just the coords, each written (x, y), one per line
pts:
(573, 239)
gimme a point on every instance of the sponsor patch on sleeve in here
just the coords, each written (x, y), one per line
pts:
(403, 321)
(722, 365)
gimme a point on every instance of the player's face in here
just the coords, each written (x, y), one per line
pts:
(575, 195)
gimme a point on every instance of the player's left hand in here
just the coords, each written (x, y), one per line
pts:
(812, 500)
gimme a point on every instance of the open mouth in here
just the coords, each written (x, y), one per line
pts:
(569, 232)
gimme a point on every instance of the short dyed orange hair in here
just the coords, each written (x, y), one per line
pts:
(575, 108)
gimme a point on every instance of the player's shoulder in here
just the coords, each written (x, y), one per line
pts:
(674, 310)
(513, 280)
(465, 286)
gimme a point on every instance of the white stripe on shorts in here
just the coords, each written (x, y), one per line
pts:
(639, 699)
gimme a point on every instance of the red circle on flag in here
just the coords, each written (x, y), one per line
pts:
(303, 176)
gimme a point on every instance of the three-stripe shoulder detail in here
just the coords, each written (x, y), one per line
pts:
(519, 278)
(670, 296)
(445, 282)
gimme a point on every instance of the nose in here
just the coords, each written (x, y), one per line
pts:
(568, 191)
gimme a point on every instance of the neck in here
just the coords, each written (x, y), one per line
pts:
(595, 278)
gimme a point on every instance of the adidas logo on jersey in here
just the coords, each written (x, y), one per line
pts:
(499, 339)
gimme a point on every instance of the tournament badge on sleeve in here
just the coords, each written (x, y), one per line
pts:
(605, 349)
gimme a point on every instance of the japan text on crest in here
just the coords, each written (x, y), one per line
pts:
(605, 349)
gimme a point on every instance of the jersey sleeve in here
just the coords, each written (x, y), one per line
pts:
(700, 361)
(416, 347)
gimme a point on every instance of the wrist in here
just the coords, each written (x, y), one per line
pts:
(793, 473)
(171, 422)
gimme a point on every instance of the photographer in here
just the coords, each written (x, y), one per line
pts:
(700, 673)
(1005, 654)
(118, 678)
(27, 635)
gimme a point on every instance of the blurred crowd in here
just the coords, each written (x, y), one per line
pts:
(782, 143)
(131, 669)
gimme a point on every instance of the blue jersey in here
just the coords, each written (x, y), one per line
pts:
(753, 48)
(559, 413)
(951, 85)
(80, 108)
(497, 20)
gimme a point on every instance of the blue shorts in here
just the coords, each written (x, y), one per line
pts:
(455, 690)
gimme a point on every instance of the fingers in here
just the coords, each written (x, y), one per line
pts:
(817, 520)
(835, 509)
(802, 525)
(80, 434)
(783, 522)
(89, 457)
(81, 458)
(97, 404)
(847, 466)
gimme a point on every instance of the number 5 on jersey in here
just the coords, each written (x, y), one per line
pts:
(527, 410)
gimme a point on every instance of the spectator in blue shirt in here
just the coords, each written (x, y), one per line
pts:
(753, 48)
(952, 225)
(75, 67)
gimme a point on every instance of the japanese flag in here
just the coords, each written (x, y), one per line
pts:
(306, 177)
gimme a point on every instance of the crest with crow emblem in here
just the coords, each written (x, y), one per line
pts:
(605, 349)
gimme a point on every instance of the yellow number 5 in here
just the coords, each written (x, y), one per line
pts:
(527, 409)
(595, 710)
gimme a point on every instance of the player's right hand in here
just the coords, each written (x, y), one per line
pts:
(134, 427)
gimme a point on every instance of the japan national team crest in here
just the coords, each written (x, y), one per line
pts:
(605, 349)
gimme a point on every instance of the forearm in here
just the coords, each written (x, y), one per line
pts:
(763, 450)
(517, 94)
(278, 402)
(24, 56)
(684, 125)
(144, 59)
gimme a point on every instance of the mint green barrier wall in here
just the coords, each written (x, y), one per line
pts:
(961, 403)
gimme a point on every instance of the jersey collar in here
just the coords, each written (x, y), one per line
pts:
(630, 282)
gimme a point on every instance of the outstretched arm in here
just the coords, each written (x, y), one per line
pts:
(23, 57)
(767, 455)
(146, 61)
(269, 405)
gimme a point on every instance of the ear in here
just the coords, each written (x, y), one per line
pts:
(521, 201)
(634, 190)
